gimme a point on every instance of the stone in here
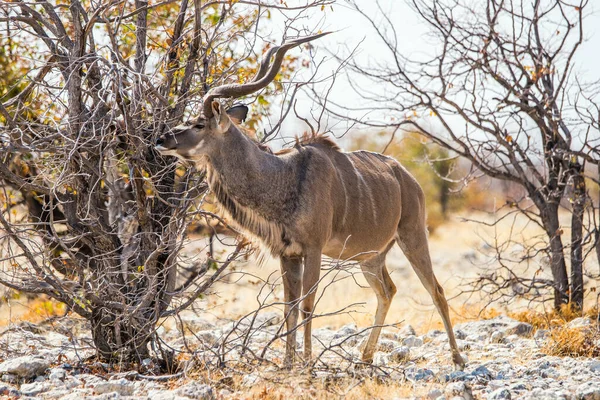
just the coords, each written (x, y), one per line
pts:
(459, 389)
(497, 337)
(424, 374)
(455, 376)
(10, 391)
(412, 341)
(196, 390)
(434, 394)
(400, 354)
(594, 366)
(407, 330)
(482, 372)
(345, 331)
(262, 320)
(381, 359)
(78, 394)
(500, 394)
(386, 345)
(25, 367)
(57, 374)
(9, 378)
(588, 391)
(164, 395)
(541, 334)
(121, 386)
(105, 396)
(580, 323)
(209, 338)
(56, 394)
(503, 324)
(250, 380)
(32, 389)
(194, 323)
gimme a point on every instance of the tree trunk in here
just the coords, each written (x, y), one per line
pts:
(557, 258)
(119, 337)
(576, 240)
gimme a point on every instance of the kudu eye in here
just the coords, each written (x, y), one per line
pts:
(160, 140)
(199, 126)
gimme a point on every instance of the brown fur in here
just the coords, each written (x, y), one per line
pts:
(315, 199)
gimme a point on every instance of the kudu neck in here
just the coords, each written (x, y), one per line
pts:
(243, 168)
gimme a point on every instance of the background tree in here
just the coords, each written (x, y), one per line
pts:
(499, 90)
(91, 215)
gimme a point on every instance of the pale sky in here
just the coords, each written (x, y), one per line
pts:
(352, 30)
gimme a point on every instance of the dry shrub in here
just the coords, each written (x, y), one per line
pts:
(469, 312)
(549, 319)
(563, 340)
(42, 308)
(572, 342)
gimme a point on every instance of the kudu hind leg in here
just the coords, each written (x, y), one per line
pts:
(291, 273)
(379, 279)
(415, 247)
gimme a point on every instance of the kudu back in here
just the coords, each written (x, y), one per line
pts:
(311, 200)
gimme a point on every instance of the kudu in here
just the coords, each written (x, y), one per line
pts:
(311, 200)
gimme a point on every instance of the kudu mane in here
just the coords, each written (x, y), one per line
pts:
(270, 231)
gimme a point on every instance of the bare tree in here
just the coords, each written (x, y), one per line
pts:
(91, 215)
(500, 91)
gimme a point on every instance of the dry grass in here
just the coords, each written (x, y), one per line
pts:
(563, 340)
(282, 385)
(572, 342)
(42, 308)
(549, 319)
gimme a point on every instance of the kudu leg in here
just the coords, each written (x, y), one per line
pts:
(415, 247)
(291, 273)
(379, 279)
(312, 272)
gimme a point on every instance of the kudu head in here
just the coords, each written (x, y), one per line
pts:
(204, 135)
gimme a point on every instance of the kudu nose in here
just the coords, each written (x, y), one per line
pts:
(160, 141)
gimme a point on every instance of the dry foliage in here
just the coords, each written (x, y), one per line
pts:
(564, 340)
(573, 342)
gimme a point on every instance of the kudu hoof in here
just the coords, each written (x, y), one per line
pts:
(459, 362)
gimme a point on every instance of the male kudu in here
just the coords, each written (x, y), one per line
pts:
(311, 200)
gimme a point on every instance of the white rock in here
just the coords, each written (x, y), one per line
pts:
(497, 337)
(588, 391)
(504, 324)
(407, 330)
(400, 354)
(57, 374)
(541, 334)
(196, 390)
(24, 367)
(32, 389)
(434, 394)
(250, 380)
(412, 341)
(121, 386)
(460, 390)
(386, 345)
(500, 394)
(581, 322)
(594, 366)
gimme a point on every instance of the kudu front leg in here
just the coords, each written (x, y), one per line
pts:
(291, 274)
(310, 280)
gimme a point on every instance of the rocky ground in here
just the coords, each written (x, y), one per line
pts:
(505, 361)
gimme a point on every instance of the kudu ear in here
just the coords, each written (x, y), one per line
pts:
(238, 113)
(220, 117)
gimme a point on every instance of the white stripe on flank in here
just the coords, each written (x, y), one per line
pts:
(368, 190)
